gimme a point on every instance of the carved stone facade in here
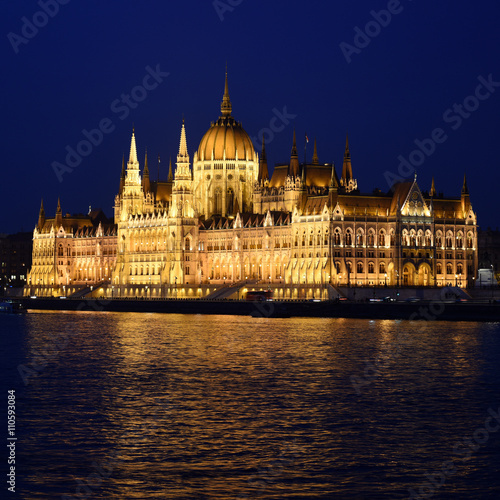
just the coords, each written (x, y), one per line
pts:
(225, 222)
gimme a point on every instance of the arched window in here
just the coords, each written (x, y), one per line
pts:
(449, 268)
(371, 268)
(381, 239)
(359, 238)
(439, 239)
(381, 268)
(337, 236)
(460, 269)
(218, 201)
(469, 240)
(428, 239)
(230, 201)
(60, 251)
(360, 267)
(371, 238)
(439, 268)
(348, 238)
(449, 239)
(460, 240)
(337, 267)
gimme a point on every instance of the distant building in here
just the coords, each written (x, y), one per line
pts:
(15, 259)
(488, 256)
(223, 220)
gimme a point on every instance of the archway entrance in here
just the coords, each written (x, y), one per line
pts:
(408, 275)
(424, 275)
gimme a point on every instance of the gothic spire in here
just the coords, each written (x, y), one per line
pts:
(226, 107)
(315, 154)
(133, 149)
(432, 192)
(170, 175)
(263, 171)
(58, 219)
(183, 152)
(465, 189)
(146, 185)
(293, 170)
(347, 167)
(41, 217)
(334, 183)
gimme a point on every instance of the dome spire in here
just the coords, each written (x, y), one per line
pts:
(226, 107)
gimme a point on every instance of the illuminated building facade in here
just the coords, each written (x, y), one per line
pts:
(224, 221)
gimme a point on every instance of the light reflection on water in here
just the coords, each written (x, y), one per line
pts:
(149, 406)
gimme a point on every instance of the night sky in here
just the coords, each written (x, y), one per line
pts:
(303, 65)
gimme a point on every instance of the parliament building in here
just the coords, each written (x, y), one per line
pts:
(220, 224)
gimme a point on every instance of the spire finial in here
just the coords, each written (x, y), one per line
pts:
(226, 107)
(58, 204)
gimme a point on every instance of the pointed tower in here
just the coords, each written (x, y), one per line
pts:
(41, 217)
(122, 177)
(146, 185)
(170, 174)
(315, 160)
(346, 166)
(133, 177)
(226, 108)
(465, 198)
(333, 188)
(432, 192)
(58, 219)
(347, 180)
(263, 171)
(132, 198)
(182, 190)
(293, 169)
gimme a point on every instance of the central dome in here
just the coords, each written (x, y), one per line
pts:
(226, 139)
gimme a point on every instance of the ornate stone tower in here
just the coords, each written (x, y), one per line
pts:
(225, 166)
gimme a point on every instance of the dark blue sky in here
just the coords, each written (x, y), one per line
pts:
(402, 82)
